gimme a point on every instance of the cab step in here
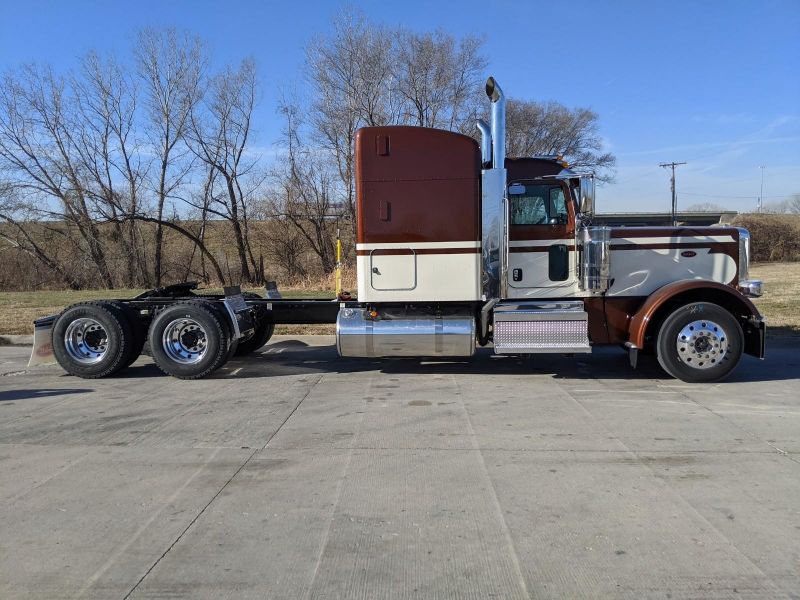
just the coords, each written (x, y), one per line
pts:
(541, 327)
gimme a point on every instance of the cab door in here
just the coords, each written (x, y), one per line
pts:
(541, 240)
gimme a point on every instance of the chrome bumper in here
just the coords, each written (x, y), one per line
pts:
(751, 287)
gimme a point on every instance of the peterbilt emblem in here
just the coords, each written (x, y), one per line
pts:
(688, 253)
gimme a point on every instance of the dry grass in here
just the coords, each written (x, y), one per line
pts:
(780, 303)
(781, 300)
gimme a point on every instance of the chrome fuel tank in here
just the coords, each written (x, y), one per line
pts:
(357, 334)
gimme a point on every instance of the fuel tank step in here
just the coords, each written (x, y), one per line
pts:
(541, 327)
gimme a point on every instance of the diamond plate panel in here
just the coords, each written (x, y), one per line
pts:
(535, 336)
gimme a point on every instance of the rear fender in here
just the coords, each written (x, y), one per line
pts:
(666, 298)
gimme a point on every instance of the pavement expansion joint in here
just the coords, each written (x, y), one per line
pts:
(221, 489)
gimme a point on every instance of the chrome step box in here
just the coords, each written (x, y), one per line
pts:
(541, 327)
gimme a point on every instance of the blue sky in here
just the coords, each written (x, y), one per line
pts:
(713, 83)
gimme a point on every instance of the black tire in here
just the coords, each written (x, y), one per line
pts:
(263, 332)
(215, 332)
(115, 329)
(700, 342)
(138, 330)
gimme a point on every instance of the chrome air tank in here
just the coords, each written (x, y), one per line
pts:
(401, 333)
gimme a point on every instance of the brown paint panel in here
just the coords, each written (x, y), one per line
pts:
(673, 232)
(390, 251)
(428, 179)
(520, 233)
(619, 312)
(519, 249)
(598, 332)
(531, 168)
(609, 318)
(719, 247)
(421, 211)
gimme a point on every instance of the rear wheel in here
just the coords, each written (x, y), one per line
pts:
(92, 340)
(189, 340)
(700, 342)
(138, 330)
(261, 335)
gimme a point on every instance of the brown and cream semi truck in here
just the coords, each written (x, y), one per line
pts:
(458, 247)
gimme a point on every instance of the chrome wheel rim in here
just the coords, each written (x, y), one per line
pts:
(184, 341)
(86, 341)
(702, 344)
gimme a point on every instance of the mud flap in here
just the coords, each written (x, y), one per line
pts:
(755, 337)
(42, 351)
(240, 314)
(633, 354)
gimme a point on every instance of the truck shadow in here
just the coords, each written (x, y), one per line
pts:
(29, 394)
(293, 358)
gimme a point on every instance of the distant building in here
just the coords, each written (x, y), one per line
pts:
(631, 219)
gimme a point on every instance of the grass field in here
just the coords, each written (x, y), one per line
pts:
(781, 300)
(780, 303)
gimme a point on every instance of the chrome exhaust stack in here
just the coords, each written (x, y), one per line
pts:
(486, 144)
(498, 99)
(494, 212)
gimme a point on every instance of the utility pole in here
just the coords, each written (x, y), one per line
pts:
(672, 165)
(761, 195)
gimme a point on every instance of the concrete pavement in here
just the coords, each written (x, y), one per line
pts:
(296, 474)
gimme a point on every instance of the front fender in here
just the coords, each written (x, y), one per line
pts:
(699, 290)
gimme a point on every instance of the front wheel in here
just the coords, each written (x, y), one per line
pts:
(700, 342)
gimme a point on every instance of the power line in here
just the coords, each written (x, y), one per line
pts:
(753, 197)
(672, 165)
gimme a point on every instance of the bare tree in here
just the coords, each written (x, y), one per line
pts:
(39, 153)
(438, 78)
(305, 196)
(776, 208)
(793, 204)
(171, 68)
(351, 74)
(219, 137)
(110, 155)
(535, 128)
(706, 207)
(19, 235)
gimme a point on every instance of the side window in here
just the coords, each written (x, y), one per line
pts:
(558, 205)
(528, 210)
(537, 205)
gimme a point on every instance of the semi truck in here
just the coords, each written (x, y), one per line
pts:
(459, 246)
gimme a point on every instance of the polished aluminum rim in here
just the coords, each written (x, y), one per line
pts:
(86, 341)
(702, 344)
(185, 341)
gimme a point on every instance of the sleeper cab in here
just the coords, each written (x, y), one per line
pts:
(418, 213)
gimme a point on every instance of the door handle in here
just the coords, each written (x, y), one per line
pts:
(516, 274)
(375, 270)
